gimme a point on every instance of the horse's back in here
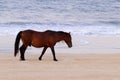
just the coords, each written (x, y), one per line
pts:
(34, 38)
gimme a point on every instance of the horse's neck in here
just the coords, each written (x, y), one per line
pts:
(60, 38)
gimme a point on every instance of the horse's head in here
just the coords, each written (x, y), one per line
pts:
(68, 40)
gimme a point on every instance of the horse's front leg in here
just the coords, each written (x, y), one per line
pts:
(40, 58)
(53, 52)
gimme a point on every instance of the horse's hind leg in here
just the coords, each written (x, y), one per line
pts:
(22, 52)
(40, 58)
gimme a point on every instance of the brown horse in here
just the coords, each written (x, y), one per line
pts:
(40, 39)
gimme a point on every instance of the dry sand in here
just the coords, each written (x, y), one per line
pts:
(99, 59)
(69, 67)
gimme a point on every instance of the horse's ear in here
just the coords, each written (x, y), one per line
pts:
(69, 32)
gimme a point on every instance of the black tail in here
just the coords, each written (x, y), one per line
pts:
(17, 41)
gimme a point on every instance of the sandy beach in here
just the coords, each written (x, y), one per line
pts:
(96, 59)
(69, 67)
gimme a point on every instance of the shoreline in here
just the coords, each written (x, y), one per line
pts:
(81, 45)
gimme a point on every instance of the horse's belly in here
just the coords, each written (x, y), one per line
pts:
(38, 45)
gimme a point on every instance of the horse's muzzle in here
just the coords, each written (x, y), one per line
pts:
(70, 46)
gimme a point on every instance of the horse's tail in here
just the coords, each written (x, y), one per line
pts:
(17, 41)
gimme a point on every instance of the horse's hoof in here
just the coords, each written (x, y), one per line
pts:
(55, 60)
(40, 59)
(22, 59)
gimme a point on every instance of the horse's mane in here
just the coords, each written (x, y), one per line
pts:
(59, 32)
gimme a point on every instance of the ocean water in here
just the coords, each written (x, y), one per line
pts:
(80, 17)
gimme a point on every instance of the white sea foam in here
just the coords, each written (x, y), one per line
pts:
(102, 30)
